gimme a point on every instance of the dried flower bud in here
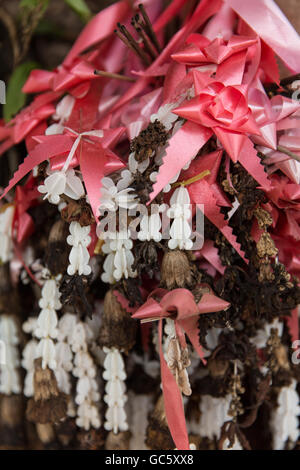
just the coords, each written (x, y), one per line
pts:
(176, 270)
(118, 329)
(49, 405)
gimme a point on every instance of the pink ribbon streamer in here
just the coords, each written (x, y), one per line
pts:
(268, 21)
(180, 305)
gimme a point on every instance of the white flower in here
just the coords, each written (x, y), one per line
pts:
(87, 390)
(9, 356)
(46, 350)
(79, 256)
(284, 418)
(6, 244)
(180, 231)
(120, 259)
(214, 413)
(150, 226)
(127, 176)
(112, 197)
(46, 324)
(62, 114)
(29, 355)
(61, 182)
(165, 115)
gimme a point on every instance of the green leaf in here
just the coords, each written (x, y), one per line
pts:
(15, 98)
(81, 8)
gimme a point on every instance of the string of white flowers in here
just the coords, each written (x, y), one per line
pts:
(46, 325)
(284, 418)
(85, 370)
(119, 260)
(115, 397)
(79, 256)
(64, 355)
(180, 230)
(9, 356)
(6, 244)
(214, 413)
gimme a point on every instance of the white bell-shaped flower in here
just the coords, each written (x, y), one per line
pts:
(113, 197)
(79, 256)
(180, 231)
(165, 116)
(54, 185)
(6, 244)
(150, 228)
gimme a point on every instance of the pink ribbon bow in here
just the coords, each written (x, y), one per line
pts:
(179, 305)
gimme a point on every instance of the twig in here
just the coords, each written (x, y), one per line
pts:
(149, 29)
(288, 152)
(103, 73)
(11, 27)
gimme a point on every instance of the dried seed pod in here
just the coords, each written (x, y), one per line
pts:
(57, 252)
(49, 405)
(12, 422)
(158, 436)
(118, 329)
(118, 441)
(176, 270)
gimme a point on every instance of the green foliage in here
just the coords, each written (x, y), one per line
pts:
(15, 98)
(81, 8)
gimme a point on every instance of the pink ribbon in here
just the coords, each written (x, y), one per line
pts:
(268, 21)
(180, 305)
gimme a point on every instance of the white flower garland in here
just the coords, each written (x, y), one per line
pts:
(120, 259)
(6, 244)
(214, 413)
(9, 359)
(79, 256)
(114, 373)
(180, 231)
(87, 390)
(46, 326)
(284, 418)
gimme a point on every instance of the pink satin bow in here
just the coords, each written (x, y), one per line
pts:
(179, 305)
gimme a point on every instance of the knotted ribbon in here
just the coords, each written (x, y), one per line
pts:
(180, 305)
